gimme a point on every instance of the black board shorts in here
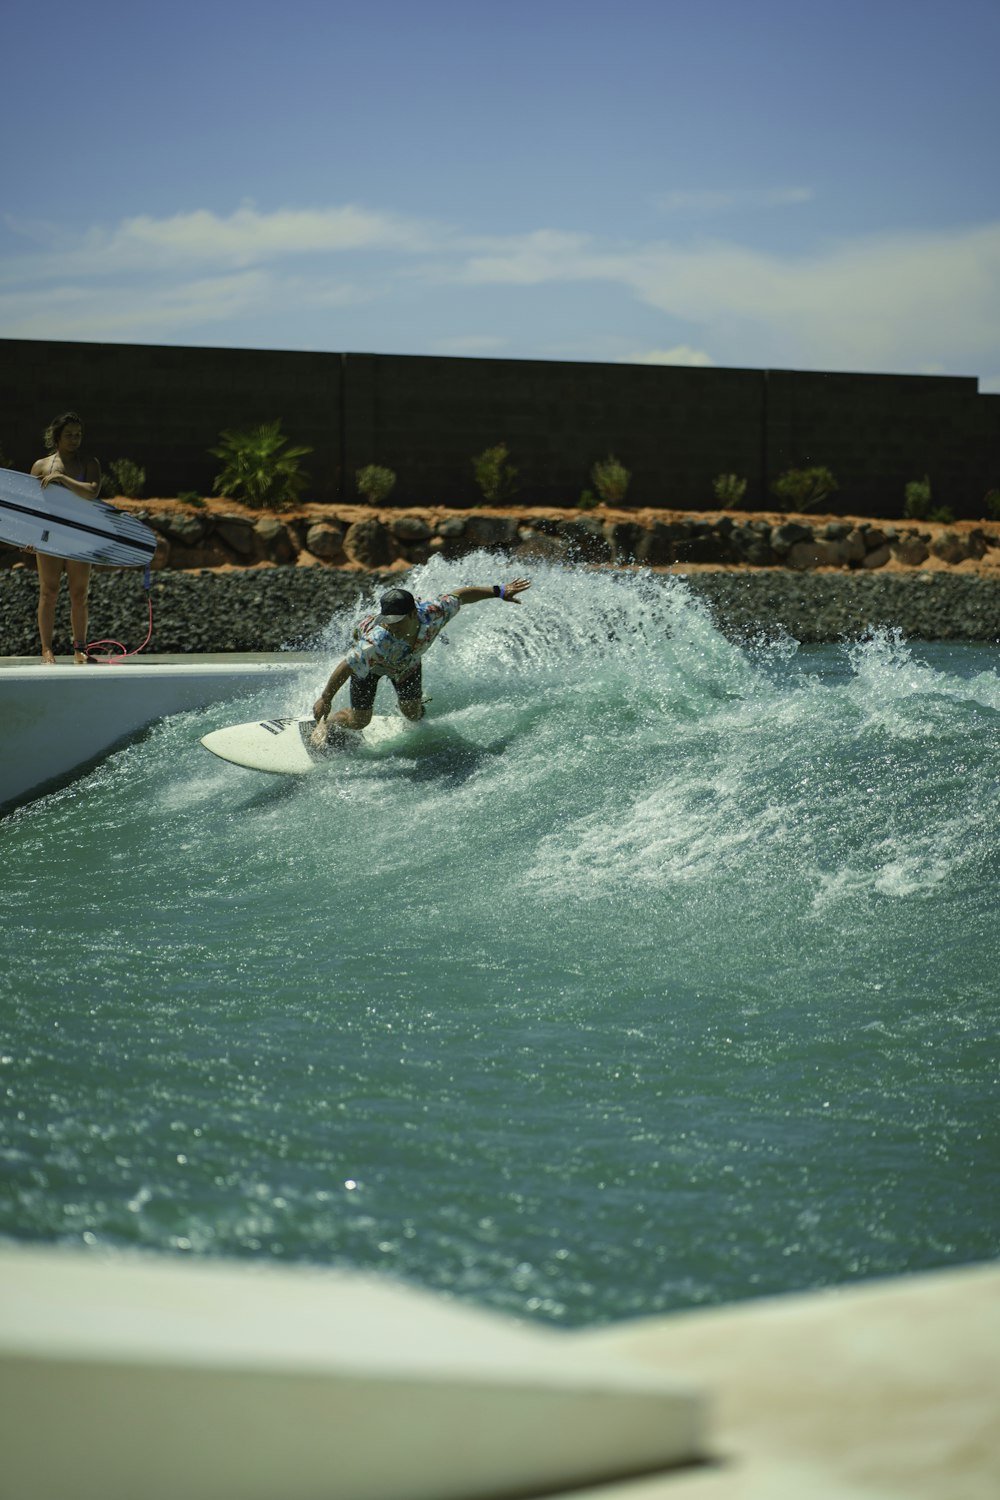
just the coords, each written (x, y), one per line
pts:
(408, 687)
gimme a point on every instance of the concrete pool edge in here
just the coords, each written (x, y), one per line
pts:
(56, 720)
(138, 1373)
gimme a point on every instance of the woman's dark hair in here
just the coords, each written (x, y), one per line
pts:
(54, 430)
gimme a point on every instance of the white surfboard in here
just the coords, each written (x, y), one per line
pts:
(60, 524)
(283, 745)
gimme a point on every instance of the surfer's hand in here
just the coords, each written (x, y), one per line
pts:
(511, 590)
(321, 708)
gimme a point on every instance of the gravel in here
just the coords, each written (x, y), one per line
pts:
(274, 609)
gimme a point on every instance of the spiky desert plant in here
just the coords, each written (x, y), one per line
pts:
(729, 490)
(804, 489)
(611, 480)
(375, 484)
(124, 477)
(259, 467)
(494, 475)
(917, 499)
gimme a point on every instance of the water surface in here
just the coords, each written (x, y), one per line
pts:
(650, 971)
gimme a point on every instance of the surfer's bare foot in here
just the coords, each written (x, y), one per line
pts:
(48, 659)
(81, 658)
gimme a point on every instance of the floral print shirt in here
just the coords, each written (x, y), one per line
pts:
(374, 649)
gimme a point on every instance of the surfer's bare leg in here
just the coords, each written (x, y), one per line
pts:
(49, 574)
(410, 693)
(78, 574)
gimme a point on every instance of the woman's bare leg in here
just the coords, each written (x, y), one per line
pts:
(50, 570)
(79, 589)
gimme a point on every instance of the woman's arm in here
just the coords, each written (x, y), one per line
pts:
(507, 591)
(87, 489)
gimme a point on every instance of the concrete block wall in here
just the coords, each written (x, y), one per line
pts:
(877, 432)
(164, 407)
(674, 428)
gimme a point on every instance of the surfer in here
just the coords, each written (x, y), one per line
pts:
(391, 644)
(65, 464)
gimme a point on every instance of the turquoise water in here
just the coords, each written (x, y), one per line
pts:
(649, 971)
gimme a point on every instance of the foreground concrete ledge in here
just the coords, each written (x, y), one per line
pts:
(58, 720)
(139, 1377)
(887, 1388)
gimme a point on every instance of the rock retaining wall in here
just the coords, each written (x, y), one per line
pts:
(356, 536)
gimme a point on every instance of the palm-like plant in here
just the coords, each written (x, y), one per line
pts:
(260, 468)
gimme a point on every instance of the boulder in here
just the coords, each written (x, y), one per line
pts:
(956, 546)
(368, 542)
(784, 537)
(656, 545)
(814, 554)
(325, 541)
(186, 529)
(451, 527)
(490, 531)
(274, 537)
(909, 549)
(854, 545)
(623, 537)
(410, 529)
(877, 558)
(237, 533)
(586, 541)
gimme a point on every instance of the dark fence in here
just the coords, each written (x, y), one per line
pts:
(674, 428)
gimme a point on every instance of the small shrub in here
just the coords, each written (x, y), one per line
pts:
(991, 504)
(375, 484)
(192, 497)
(944, 514)
(611, 480)
(917, 499)
(124, 478)
(494, 475)
(587, 501)
(259, 467)
(804, 489)
(729, 490)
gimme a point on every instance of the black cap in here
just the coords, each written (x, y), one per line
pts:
(396, 605)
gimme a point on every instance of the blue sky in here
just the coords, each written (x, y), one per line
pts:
(793, 185)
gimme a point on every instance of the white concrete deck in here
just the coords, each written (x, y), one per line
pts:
(149, 1377)
(159, 1380)
(54, 719)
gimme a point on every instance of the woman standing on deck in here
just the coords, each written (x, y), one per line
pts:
(65, 464)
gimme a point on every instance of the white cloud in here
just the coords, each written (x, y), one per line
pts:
(130, 312)
(904, 302)
(701, 203)
(680, 354)
(894, 302)
(244, 238)
(470, 344)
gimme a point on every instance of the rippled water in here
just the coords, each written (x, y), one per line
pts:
(649, 971)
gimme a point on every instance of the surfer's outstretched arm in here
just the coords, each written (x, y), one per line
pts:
(508, 592)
